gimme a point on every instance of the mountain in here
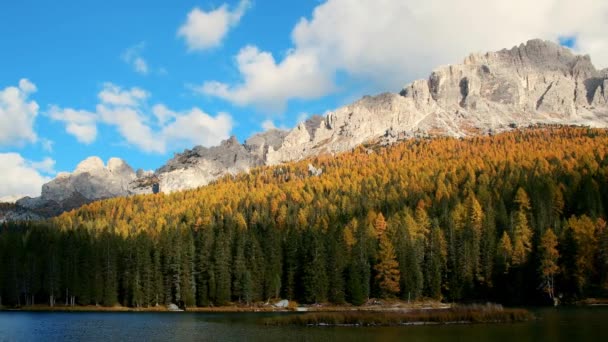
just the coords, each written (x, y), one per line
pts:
(538, 82)
(92, 180)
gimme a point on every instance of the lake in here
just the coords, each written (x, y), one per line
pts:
(563, 324)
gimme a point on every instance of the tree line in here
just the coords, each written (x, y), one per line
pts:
(516, 218)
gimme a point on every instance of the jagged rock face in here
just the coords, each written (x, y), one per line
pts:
(259, 144)
(201, 165)
(536, 82)
(90, 181)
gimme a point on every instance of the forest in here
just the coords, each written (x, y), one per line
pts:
(515, 218)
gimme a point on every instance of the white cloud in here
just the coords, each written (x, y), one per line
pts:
(47, 165)
(133, 57)
(388, 43)
(128, 112)
(133, 125)
(79, 123)
(17, 114)
(204, 30)
(22, 177)
(268, 85)
(162, 113)
(116, 96)
(198, 128)
(268, 125)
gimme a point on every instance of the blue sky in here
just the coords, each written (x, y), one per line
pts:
(73, 49)
(141, 80)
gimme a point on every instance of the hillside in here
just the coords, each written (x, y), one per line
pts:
(516, 217)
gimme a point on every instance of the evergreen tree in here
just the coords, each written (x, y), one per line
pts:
(435, 262)
(222, 269)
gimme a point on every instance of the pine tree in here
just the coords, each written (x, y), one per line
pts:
(188, 288)
(314, 277)
(205, 282)
(109, 270)
(222, 269)
(239, 268)
(435, 262)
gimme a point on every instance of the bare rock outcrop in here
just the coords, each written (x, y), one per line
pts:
(201, 165)
(90, 181)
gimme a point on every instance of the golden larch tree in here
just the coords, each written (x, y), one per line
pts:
(387, 269)
(548, 262)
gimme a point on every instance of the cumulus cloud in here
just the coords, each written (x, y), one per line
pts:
(133, 57)
(155, 130)
(268, 125)
(268, 84)
(116, 96)
(22, 177)
(79, 123)
(47, 165)
(199, 128)
(388, 43)
(204, 30)
(17, 114)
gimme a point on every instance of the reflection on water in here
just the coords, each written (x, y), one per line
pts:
(564, 324)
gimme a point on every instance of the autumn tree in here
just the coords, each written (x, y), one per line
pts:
(522, 233)
(387, 269)
(581, 231)
(277, 229)
(548, 268)
(504, 252)
(379, 225)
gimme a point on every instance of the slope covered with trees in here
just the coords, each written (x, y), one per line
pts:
(516, 218)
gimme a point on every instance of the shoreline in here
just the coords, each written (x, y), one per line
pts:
(268, 308)
(393, 306)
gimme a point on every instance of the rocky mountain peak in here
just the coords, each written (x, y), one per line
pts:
(90, 164)
(90, 181)
(117, 165)
(232, 141)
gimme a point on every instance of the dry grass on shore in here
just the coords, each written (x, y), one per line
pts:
(457, 314)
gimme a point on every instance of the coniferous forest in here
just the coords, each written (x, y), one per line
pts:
(516, 218)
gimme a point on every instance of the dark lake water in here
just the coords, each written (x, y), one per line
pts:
(564, 324)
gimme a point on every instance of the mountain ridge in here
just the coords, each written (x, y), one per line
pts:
(538, 82)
